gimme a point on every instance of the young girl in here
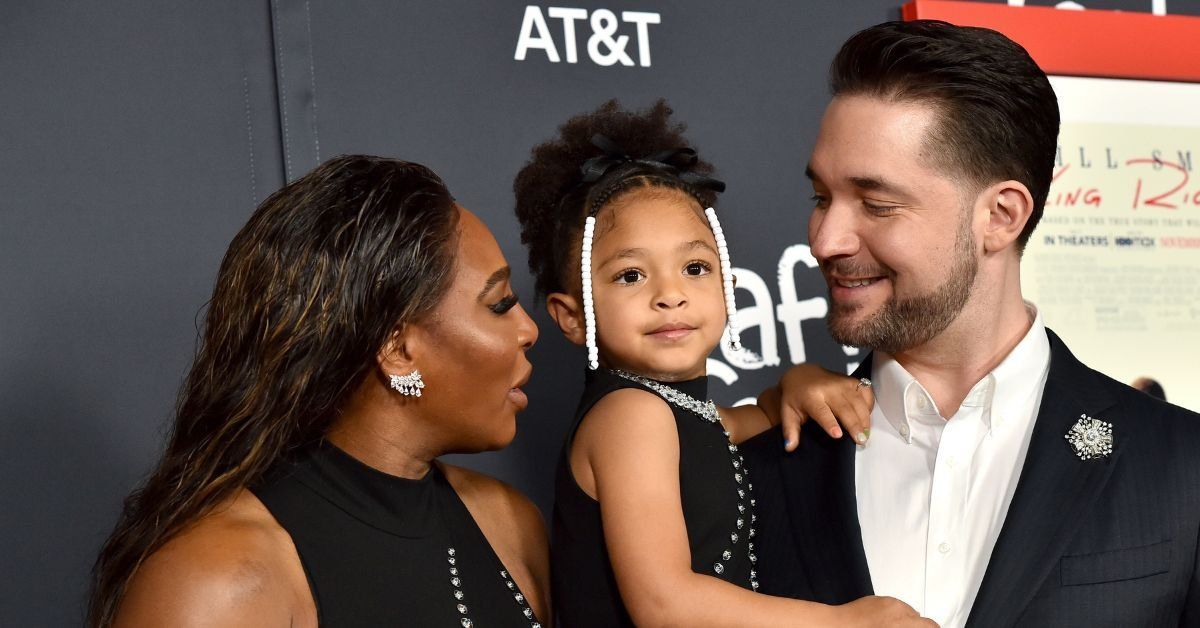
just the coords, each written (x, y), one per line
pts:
(654, 510)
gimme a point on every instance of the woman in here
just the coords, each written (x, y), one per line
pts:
(362, 325)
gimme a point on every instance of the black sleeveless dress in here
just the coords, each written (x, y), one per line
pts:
(717, 507)
(379, 550)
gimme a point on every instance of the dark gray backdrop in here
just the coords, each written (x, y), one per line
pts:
(136, 138)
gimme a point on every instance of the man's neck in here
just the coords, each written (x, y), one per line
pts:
(949, 365)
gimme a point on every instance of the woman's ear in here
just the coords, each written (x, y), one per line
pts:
(1009, 205)
(568, 313)
(395, 357)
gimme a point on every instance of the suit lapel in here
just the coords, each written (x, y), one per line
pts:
(818, 479)
(1053, 495)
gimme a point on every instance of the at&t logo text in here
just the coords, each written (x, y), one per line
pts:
(604, 46)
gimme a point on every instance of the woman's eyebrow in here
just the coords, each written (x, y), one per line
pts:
(496, 277)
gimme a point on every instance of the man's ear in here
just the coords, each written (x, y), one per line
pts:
(567, 311)
(1010, 206)
(395, 357)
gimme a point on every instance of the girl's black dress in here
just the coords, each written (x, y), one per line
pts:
(717, 508)
(379, 550)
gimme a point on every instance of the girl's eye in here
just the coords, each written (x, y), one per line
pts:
(628, 276)
(504, 305)
(819, 201)
(697, 269)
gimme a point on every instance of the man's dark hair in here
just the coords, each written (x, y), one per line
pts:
(1150, 387)
(997, 113)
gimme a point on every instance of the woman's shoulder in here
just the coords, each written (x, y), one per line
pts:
(234, 566)
(512, 525)
(496, 500)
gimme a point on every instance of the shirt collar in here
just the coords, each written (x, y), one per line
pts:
(1004, 391)
(1022, 374)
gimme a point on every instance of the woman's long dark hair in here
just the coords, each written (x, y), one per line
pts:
(310, 289)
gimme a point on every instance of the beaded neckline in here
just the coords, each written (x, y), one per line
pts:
(706, 409)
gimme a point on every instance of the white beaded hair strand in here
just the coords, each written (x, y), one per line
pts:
(589, 306)
(735, 341)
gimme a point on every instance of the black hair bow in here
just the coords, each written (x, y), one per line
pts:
(675, 161)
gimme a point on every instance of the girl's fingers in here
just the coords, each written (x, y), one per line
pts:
(791, 432)
(866, 392)
(848, 414)
(825, 417)
(862, 410)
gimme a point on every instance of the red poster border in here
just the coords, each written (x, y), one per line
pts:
(1112, 44)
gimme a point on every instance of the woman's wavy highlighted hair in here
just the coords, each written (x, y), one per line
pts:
(309, 290)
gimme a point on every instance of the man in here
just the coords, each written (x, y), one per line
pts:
(1004, 482)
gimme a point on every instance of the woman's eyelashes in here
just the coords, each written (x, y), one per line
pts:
(504, 305)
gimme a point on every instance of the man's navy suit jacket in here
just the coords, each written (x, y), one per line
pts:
(1102, 542)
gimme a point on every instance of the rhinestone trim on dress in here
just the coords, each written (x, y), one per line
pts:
(707, 410)
(461, 607)
(456, 582)
(520, 599)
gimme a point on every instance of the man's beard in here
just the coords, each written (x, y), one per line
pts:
(901, 324)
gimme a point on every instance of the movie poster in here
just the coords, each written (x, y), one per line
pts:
(1115, 263)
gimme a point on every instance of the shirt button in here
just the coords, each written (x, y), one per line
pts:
(950, 462)
(904, 431)
(922, 403)
(944, 548)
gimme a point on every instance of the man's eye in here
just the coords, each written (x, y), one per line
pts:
(819, 201)
(629, 275)
(697, 269)
(879, 209)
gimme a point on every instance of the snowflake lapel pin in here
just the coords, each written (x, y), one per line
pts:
(1091, 438)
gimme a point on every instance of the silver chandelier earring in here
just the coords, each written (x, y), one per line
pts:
(409, 385)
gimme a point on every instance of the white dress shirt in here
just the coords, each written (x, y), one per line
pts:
(933, 492)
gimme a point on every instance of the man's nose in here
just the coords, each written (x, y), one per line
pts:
(833, 232)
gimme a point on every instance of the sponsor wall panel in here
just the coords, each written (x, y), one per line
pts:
(135, 139)
(469, 88)
(139, 137)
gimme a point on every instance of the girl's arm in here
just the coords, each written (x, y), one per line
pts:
(811, 393)
(626, 455)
